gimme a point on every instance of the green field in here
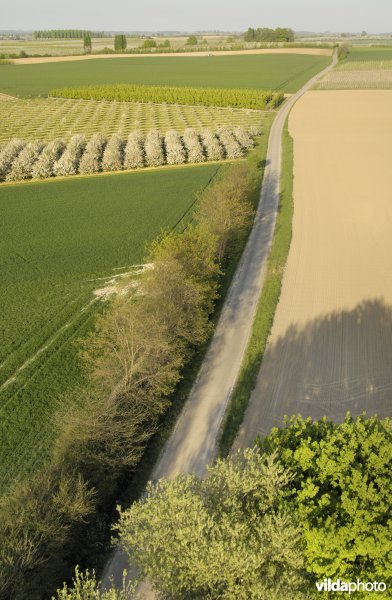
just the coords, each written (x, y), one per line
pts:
(287, 72)
(59, 241)
(49, 118)
(367, 58)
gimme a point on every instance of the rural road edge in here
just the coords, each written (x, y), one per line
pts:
(192, 444)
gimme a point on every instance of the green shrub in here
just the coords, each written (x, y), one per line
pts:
(191, 41)
(149, 44)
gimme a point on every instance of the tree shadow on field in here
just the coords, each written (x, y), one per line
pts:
(336, 363)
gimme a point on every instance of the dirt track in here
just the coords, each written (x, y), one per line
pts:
(48, 59)
(330, 348)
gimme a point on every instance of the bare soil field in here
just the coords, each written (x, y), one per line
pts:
(330, 348)
(50, 59)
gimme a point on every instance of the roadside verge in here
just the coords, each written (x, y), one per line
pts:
(267, 303)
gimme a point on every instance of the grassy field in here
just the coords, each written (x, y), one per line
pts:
(267, 304)
(286, 72)
(371, 57)
(60, 240)
(49, 118)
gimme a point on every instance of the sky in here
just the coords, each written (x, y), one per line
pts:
(182, 15)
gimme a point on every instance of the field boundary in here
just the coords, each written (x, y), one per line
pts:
(49, 59)
(267, 303)
(49, 180)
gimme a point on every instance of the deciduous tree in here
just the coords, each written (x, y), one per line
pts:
(343, 492)
(229, 535)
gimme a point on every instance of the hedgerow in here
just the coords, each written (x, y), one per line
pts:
(239, 98)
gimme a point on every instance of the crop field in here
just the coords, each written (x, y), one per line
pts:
(364, 68)
(60, 241)
(286, 72)
(49, 118)
(356, 80)
(366, 58)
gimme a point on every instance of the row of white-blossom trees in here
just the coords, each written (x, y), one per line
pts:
(20, 160)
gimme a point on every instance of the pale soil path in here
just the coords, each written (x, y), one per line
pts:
(192, 444)
(330, 348)
(4, 97)
(49, 59)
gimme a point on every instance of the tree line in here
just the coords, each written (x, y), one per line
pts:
(265, 34)
(134, 360)
(310, 501)
(59, 34)
(222, 97)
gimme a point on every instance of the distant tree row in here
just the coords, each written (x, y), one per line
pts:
(150, 43)
(75, 34)
(265, 34)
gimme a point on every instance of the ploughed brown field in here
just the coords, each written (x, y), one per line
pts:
(330, 348)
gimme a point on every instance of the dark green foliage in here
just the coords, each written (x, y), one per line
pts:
(343, 493)
(75, 34)
(191, 41)
(120, 42)
(264, 34)
(237, 98)
(149, 44)
(277, 72)
(37, 522)
(87, 42)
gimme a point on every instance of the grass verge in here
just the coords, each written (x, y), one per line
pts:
(267, 303)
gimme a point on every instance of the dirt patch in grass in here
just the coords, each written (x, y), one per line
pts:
(4, 97)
